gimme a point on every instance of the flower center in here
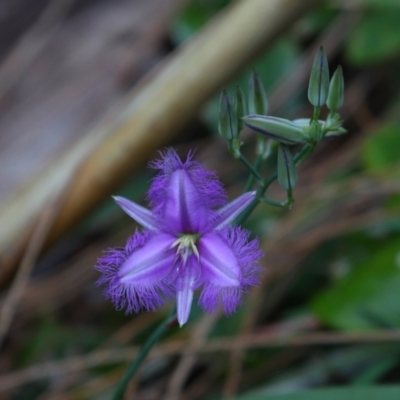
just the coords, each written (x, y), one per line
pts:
(186, 245)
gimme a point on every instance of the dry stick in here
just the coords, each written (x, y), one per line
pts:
(31, 44)
(162, 103)
(185, 365)
(250, 341)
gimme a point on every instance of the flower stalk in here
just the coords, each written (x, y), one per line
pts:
(136, 363)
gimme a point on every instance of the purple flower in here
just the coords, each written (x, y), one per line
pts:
(186, 244)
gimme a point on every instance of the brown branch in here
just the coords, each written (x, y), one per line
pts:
(251, 341)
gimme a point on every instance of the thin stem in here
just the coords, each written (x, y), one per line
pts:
(284, 204)
(272, 202)
(290, 200)
(257, 165)
(317, 110)
(298, 158)
(253, 171)
(155, 336)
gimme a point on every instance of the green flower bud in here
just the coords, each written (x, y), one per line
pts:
(315, 132)
(240, 106)
(336, 90)
(319, 80)
(280, 129)
(228, 123)
(258, 102)
(287, 174)
(336, 132)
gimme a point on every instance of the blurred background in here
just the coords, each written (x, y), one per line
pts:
(90, 90)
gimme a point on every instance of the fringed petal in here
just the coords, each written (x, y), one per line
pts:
(133, 296)
(184, 194)
(242, 262)
(149, 263)
(218, 262)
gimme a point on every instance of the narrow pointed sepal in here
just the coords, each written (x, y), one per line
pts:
(140, 214)
(228, 213)
(184, 296)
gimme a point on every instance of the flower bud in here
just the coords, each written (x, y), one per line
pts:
(319, 80)
(336, 132)
(258, 102)
(280, 129)
(287, 174)
(336, 90)
(228, 124)
(240, 106)
(315, 131)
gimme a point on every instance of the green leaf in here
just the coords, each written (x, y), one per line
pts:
(375, 38)
(368, 296)
(351, 393)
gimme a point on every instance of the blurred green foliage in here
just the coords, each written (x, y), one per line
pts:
(368, 297)
(365, 393)
(380, 151)
(376, 37)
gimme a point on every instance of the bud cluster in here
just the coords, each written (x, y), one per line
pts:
(280, 133)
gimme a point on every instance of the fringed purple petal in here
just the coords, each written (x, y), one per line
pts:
(140, 214)
(184, 208)
(247, 255)
(149, 263)
(218, 262)
(184, 193)
(212, 296)
(132, 296)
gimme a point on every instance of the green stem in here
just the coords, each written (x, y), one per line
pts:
(272, 202)
(250, 167)
(257, 165)
(317, 110)
(284, 204)
(155, 336)
(298, 158)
